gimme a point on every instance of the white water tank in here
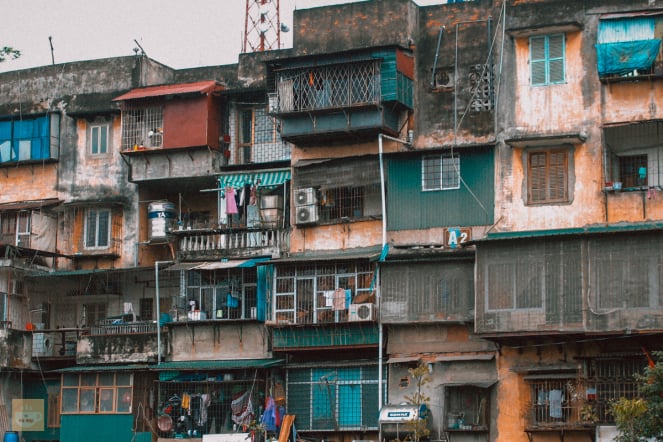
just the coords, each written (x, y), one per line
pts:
(161, 218)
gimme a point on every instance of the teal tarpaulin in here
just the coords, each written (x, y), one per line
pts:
(625, 57)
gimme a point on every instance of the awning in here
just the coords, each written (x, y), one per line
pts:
(199, 87)
(214, 265)
(25, 205)
(265, 178)
(370, 253)
(398, 360)
(105, 367)
(218, 364)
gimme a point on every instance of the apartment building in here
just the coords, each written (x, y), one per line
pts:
(472, 186)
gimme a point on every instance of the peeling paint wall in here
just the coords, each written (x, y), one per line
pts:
(217, 340)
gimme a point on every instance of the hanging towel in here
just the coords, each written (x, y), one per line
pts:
(339, 299)
(231, 204)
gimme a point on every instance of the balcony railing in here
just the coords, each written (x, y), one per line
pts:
(239, 243)
(124, 328)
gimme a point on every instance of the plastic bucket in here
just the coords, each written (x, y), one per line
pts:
(10, 436)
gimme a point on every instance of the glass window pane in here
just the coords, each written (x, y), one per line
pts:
(94, 136)
(123, 379)
(106, 379)
(69, 400)
(70, 380)
(123, 400)
(104, 228)
(89, 379)
(88, 400)
(106, 399)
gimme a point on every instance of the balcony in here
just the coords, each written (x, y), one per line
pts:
(230, 243)
(343, 95)
(56, 343)
(115, 341)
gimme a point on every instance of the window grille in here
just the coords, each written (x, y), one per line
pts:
(307, 295)
(347, 202)
(551, 403)
(334, 398)
(633, 170)
(327, 87)
(142, 127)
(611, 379)
(222, 294)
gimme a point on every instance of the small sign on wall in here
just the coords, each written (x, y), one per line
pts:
(456, 236)
(28, 414)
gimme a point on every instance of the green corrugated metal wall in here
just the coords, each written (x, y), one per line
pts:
(394, 85)
(408, 207)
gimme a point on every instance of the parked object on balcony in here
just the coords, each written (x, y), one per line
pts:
(617, 185)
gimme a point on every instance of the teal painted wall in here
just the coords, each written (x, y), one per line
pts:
(408, 207)
(97, 428)
(38, 390)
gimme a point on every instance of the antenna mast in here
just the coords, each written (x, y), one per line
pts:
(262, 26)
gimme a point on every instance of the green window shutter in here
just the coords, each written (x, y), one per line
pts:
(537, 47)
(556, 58)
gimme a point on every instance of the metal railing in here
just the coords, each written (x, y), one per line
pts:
(275, 240)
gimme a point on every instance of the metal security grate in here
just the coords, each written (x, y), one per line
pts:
(142, 127)
(327, 87)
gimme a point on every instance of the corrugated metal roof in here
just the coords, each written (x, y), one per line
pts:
(598, 229)
(200, 87)
(87, 368)
(333, 255)
(23, 205)
(213, 265)
(218, 364)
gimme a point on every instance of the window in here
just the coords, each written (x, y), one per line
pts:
(29, 139)
(97, 228)
(633, 170)
(610, 379)
(99, 139)
(440, 172)
(551, 403)
(547, 59)
(257, 139)
(321, 293)
(467, 408)
(16, 228)
(142, 127)
(221, 294)
(629, 47)
(547, 176)
(334, 398)
(97, 393)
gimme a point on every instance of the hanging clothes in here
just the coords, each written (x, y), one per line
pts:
(231, 203)
(223, 216)
(339, 299)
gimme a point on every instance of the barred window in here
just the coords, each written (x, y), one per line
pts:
(96, 393)
(611, 379)
(142, 127)
(334, 398)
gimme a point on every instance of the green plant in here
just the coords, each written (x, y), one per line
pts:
(588, 414)
(8, 52)
(418, 427)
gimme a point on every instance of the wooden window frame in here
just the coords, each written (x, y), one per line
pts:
(541, 178)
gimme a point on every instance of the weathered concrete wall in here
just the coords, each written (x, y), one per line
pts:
(338, 28)
(210, 340)
(120, 349)
(15, 348)
(438, 338)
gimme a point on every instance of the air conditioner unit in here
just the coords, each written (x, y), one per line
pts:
(361, 312)
(307, 214)
(305, 196)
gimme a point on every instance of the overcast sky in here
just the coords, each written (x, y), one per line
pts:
(178, 33)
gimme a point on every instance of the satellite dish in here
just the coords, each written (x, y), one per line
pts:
(284, 28)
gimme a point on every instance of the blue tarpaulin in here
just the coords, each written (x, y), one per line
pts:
(625, 57)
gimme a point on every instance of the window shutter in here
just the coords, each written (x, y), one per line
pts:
(537, 46)
(537, 176)
(557, 175)
(556, 58)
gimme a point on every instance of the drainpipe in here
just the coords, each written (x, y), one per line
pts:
(407, 143)
(156, 282)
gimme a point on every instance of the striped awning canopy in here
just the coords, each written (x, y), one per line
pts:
(262, 178)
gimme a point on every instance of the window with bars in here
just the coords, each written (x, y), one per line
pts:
(551, 402)
(334, 398)
(467, 408)
(633, 170)
(222, 294)
(547, 176)
(609, 380)
(326, 87)
(97, 228)
(257, 137)
(547, 59)
(440, 172)
(142, 127)
(96, 393)
(320, 293)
